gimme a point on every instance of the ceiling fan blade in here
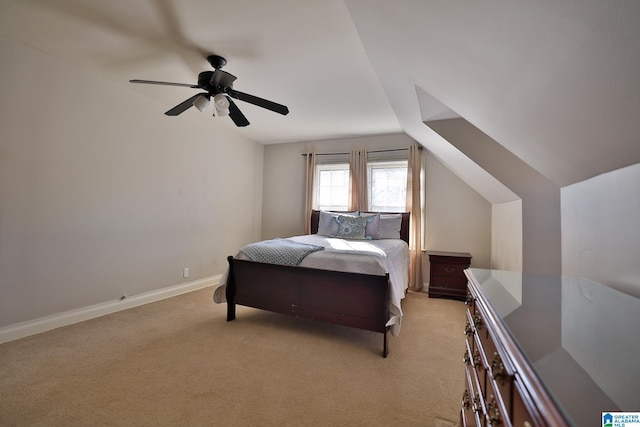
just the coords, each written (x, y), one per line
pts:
(153, 82)
(260, 102)
(236, 115)
(222, 79)
(183, 106)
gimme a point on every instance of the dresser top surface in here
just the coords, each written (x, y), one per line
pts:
(580, 337)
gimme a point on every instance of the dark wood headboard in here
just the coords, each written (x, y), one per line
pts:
(404, 228)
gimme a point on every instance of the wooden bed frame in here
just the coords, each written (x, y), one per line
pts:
(349, 299)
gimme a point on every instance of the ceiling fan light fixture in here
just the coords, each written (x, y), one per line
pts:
(218, 85)
(222, 104)
(201, 103)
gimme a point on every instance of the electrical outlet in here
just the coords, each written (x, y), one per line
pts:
(185, 272)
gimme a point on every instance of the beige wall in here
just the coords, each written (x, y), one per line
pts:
(458, 218)
(600, 231)
(283, 190)
(102, 195)
(506, 236)
(284, 178)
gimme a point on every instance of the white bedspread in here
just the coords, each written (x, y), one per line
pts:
(376, 257)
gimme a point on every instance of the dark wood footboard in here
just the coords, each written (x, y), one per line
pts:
(349, 299)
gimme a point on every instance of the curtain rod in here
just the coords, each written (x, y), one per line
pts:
(372, 151)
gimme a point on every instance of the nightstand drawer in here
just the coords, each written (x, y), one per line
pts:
(448, 282)
(453, 271)
(446, 270)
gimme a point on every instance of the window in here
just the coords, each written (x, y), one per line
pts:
(332, 186)
(387, 182)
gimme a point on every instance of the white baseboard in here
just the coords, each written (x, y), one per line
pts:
(43, 324)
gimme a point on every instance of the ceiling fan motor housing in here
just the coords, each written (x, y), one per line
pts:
(204, 81)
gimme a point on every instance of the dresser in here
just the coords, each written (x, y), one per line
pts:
(446, 274)
(547, 351)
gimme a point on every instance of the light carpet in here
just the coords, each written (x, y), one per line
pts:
(179, 362)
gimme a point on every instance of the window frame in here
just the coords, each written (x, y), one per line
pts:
(375, 160)
(337, 165)
(401, 163)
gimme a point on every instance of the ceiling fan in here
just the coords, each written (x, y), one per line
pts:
(218, 85)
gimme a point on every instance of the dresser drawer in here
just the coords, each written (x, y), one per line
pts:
(481, 365)
(496, 409)
(522, 414)
(499, 372)
(496, 370)
(470, 403)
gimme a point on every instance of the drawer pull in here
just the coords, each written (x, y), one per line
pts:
(477, 321)
(449, 269)
(477, 407)
(469, 299)
(468, 331)
(466, 400)
(467, 358)
(476, 358)
(493, 416)
(498, 372)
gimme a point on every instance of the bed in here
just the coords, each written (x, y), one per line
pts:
(351, 282)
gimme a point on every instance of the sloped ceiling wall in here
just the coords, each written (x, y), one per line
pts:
(555, 83)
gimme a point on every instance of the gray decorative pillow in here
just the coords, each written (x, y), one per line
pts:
(328, 224)
(390, 225)
(351, 227)
(372, 230)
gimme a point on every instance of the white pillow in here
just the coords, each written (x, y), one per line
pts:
(390, 225)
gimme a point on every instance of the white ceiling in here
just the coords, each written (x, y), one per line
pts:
(556, 82)
(305, 54)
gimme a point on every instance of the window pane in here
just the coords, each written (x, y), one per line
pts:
(332, 186)
(388, 186)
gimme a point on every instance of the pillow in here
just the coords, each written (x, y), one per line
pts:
(351, 227)
(327, 224)
(372, 230)
(390, 225)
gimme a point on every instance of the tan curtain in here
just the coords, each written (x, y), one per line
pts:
(414, 206)
(308, 201)
(358, 198)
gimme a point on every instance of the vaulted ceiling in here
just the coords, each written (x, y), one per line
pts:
(556, 83)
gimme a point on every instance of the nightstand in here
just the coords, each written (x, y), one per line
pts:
(446, 274)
